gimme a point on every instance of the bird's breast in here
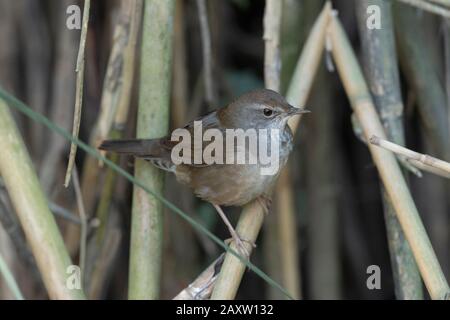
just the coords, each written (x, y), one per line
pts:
(236, 184)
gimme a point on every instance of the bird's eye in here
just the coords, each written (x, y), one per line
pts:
(268, 112)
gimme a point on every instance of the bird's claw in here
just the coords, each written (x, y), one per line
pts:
(241, 247)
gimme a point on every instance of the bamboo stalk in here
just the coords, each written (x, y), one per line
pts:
(79, 90)
(252, 215)
(383, 80)
(272, 56)
(153, 115)
(388, 168)
(32, 209)
(284, 215)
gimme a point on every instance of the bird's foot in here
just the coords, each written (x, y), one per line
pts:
(240, 245)
(265, 203)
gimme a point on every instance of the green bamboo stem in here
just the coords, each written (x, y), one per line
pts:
(252, 216)
(383, 80)
(388, 167)
(32, 209)
(153, 118)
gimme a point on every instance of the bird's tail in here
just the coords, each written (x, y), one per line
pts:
(135, 147)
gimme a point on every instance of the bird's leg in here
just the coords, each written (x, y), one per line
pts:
(236, 238)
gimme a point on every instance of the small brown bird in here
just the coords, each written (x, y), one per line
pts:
(224, 183)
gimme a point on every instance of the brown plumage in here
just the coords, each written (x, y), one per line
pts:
(223, 184)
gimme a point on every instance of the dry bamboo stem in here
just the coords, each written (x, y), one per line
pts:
(32, 209)
(284, 213)
(426, 160)
(272, 61)
(252, 215)
(79, 91)
(388, 168)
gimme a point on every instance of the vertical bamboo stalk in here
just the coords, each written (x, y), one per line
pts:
(153, 116)
(382, 74)
(388, 167)
(285, 243)
(32, 209)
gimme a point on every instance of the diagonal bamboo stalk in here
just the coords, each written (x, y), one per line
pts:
(32, 209)
(153, 121)
(388, 168)
(252, 216)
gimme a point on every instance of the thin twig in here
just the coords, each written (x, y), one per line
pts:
(207, 53)
(79, 90)
(429, 163)
(428, 7)
(83, 218)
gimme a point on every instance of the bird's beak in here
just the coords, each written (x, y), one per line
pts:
(294, 111)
